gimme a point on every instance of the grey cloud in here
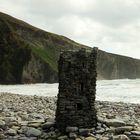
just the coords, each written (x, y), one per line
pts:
(114, 13)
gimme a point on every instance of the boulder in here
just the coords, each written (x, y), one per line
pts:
(33, 132)
(90, 138)
(84, 132)
(134, 137)
(121, 130)
(2, 124)
(71, 129)
(48, 125)
(114, 122)
(120, 137)
(72, 135)
(11, 132)
(135, 133)
(62, 137)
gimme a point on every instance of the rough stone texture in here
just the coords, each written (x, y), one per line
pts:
(38, 71)
(77, 88)
(45, 107)
(33, 132)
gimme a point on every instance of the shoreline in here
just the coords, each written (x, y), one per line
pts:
(104, 101)
(23, 116)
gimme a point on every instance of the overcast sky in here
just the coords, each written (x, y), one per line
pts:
(112, 25)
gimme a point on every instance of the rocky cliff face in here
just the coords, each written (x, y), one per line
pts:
(30, 55)
(14, 54)
(37, 71)
(112, 66)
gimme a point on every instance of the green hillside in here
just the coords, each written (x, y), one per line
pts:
(42, 46)
(29, 55)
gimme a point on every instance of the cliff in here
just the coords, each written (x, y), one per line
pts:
(35, 50)
(112, 66)
(29, 55)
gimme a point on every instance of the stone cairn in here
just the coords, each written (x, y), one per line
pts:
(77, 89)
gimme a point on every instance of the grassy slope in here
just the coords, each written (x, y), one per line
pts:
(43, 44)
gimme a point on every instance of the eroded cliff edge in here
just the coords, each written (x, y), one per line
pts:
(112, 66)
(30, 55)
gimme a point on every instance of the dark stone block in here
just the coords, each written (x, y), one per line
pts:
(77, 89)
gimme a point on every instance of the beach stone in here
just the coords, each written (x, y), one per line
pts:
(2, 116)
(2, 124)
(120, 137)
(114, 122)
(23, 123)
(72, 135)
(48, 125)
(15, 128)
(33, 132)
(134, 137)
(35, 125)
(23, 138)
(36, 121)
(24, 116)
(105, 138)
(101, 120)
(110, 136)
(78, 139)
(23, 130)
(51, 134)
(71, 129)
(63, 137)
(1, 108)
(9, 119)
(14, 123)
(84, 131)
(2, 136)
(135, 133)
(137, 128)
(121, 130)
(90, 138)
(127, 133)
(91, 134)
(11, 132)
(101, 131)
(16, 137)
(36, 116)
(110, 116)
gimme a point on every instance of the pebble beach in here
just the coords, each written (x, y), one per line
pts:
(31, 117)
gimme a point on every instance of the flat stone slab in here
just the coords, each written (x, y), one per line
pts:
(114, 122)
(135, 133)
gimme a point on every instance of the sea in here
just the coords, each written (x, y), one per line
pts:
(124, 90)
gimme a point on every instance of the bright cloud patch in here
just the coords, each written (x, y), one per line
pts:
(112, 25)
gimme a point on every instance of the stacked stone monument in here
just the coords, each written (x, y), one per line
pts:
(77, 89)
